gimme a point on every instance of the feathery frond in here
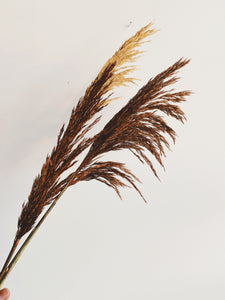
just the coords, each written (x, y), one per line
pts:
(72, 141)
(138, 127)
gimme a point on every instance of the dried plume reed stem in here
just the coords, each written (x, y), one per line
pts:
(138, 127)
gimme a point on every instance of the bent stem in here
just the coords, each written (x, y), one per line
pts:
(9, 266)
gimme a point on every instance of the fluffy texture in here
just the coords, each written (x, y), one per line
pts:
(138, 126)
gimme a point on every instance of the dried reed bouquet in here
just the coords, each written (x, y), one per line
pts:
(139, 126)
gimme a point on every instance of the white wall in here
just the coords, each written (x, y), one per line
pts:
(93, 246)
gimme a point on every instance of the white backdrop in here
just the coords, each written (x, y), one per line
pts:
(94, 246)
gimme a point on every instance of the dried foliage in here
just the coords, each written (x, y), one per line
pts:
(72, 141)
(139, 127)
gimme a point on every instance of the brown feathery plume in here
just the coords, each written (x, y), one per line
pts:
(72, 141)
(137, 127)
(48, 185)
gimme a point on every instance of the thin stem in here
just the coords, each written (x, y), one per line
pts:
(14, 246)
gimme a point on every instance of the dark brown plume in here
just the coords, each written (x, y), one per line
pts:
(138, 126)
